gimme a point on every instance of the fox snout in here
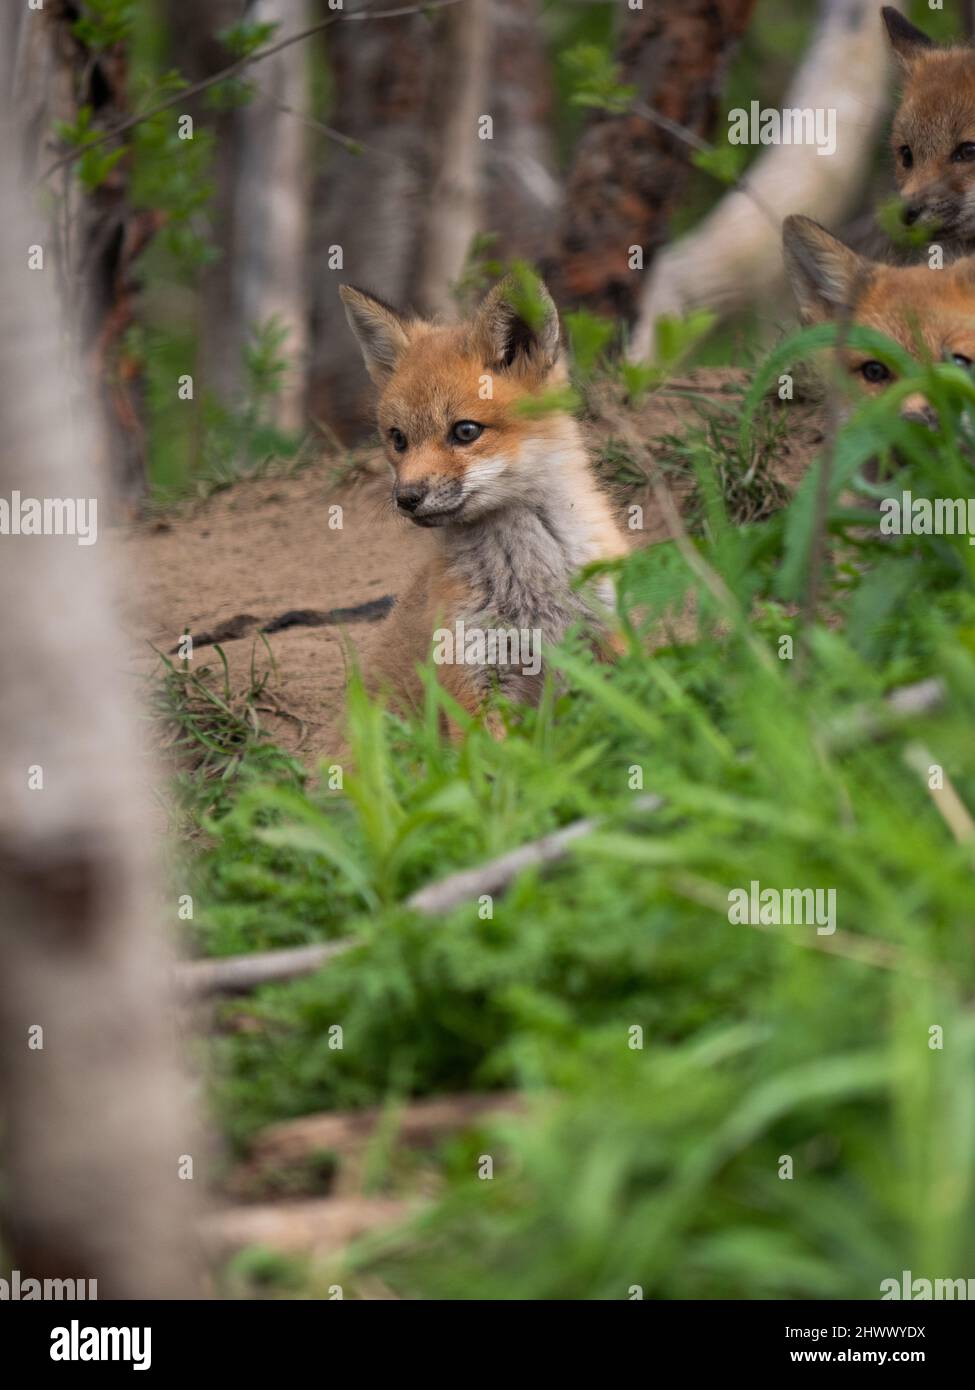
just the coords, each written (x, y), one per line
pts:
(918, 410)
(409, 497)
(948, 205)
(429, 502)
(925, 203)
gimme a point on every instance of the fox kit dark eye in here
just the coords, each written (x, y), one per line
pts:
(960, 360)
(965, 153)
(874, 372)
(398, 439)
(466, 431)
(906, 156)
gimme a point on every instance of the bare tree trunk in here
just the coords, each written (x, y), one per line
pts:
(735, 255)
(94, 236)
(455, 201)
(522, 192)
(197, 53)
(268, 270)
(369, 209)
(94, 1124)
(628, 174)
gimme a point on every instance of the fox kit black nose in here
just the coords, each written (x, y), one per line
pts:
(409, 498)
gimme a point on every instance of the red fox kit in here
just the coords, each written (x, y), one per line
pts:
(933, 135)
(921, 309)
(507, 492)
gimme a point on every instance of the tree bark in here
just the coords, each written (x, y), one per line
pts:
(628, 174)
(94, 236)
(369, 209)
(197, 53)
(270, 206)
(521, 188)
(455, 202)
(95, 1121)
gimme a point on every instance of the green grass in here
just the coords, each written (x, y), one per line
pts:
(658, 1166)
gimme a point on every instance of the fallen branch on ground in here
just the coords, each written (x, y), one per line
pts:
(420, 1125)
(321, 1227)
(240, 974)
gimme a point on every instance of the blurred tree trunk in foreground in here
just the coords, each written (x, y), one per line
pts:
(628, 174)
(94, 1121)
(92, 234)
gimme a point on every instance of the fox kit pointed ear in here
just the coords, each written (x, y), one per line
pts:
(907, 42)
(517, 323)
(383, 334)
(824, 274)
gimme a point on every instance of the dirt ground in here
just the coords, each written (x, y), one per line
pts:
(265, 547)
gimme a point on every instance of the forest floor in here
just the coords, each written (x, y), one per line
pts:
(262, 548)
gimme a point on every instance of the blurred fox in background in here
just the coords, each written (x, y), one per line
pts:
(933, 134)
(930, 313)
(501, 474)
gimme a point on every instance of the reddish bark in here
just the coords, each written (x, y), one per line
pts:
(628, 173)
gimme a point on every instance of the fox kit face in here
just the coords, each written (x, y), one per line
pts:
(933, 135)
(930, 313)
(449, 404)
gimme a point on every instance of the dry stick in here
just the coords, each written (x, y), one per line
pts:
(949, 804)
(232, 70)
(497, 874)
(348, 1135)
(237, 974)
(419, 1124)
(324, 1225)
